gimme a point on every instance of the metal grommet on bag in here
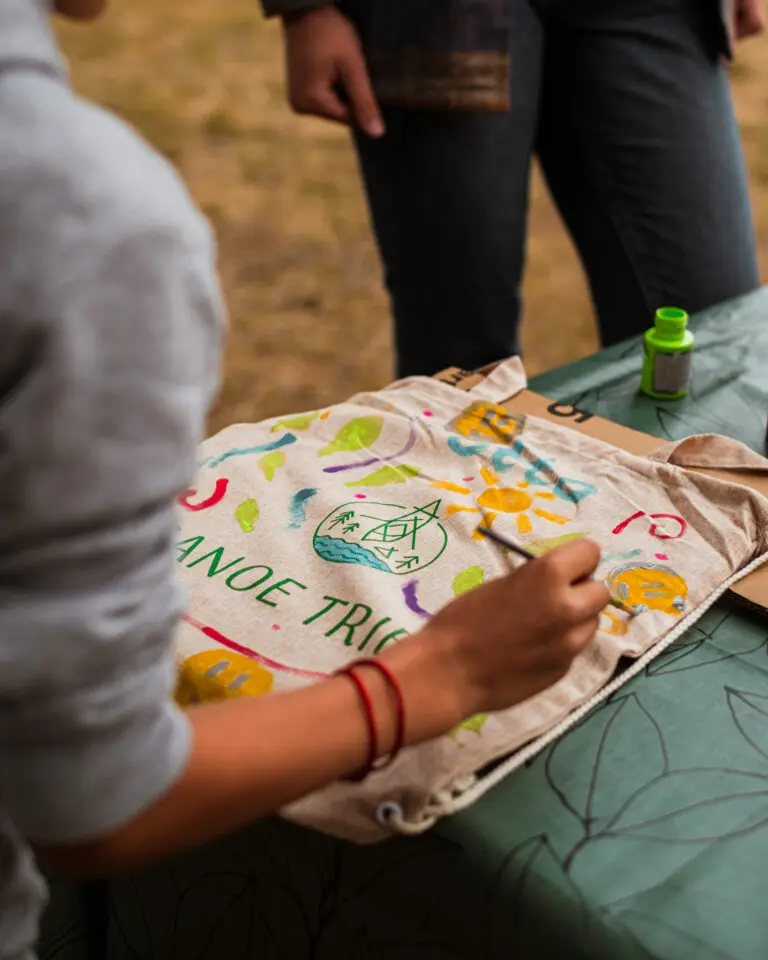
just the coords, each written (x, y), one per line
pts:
(388, 811)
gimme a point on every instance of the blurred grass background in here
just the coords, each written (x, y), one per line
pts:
(309, 319)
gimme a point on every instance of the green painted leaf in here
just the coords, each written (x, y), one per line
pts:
(468, 580)
(539, 547)
(385, 476)
(271, 462)
(355, 435)
(472, 725)
(301, 422)
(246, 514)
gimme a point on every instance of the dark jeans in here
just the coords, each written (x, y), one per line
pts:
(628, 107)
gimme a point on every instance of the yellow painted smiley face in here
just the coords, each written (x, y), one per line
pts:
(221, 675)
(649, 587)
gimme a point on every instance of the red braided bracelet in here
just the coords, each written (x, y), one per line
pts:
(370, 721)
(397, 690)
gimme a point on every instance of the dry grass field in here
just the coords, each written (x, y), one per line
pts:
(309, 319)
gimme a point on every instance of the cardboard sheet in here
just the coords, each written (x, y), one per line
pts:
(752, 590)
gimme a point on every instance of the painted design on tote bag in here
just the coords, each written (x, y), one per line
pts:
(357, 434)
(502, 442)
(297, 508)
(270, 463)
(285, 441)
(221, 675)
(360, 434)
(462, 583)
(243, 654)
(187, 500)
(302, 421)
(648, 586)
(385, 476)
(673, 530)
(383, 536)
(246, 514)
(489, 420)
(517, 501)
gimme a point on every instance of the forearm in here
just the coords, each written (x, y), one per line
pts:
(251, 757)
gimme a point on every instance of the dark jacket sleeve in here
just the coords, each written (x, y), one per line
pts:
(276, 8)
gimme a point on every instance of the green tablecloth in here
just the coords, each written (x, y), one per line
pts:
(642, 833)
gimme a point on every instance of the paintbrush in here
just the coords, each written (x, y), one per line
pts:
(527, 555)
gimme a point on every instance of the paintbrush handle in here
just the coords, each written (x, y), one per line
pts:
(509, 544)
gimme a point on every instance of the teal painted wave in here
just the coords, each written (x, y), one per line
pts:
(339, 551)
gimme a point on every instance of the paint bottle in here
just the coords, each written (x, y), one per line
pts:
(667, 355)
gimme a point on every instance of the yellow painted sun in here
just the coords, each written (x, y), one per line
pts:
(508, 500)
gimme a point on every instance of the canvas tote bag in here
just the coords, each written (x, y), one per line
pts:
(315, 539)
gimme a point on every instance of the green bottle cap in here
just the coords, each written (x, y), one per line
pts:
(670, 323)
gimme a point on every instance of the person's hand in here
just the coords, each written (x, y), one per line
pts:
(749, 18)
(323, 58)
(512, 638)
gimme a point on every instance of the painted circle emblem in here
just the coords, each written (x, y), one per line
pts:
(383, 536)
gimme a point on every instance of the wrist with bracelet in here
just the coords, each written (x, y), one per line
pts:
(373, 763)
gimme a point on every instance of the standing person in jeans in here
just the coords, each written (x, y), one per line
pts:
(628, 106)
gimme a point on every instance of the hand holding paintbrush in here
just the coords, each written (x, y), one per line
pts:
(502, 541)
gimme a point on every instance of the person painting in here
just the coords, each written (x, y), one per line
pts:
(111, 317)
(627, 105)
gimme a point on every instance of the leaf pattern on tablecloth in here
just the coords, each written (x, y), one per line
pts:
(742, 415)
(750, 714)
(628, 754)
(675, 425)
(64, 933)
(698, 647)
(274, 891)
(513, 918)
(694, 806)
(671, 942)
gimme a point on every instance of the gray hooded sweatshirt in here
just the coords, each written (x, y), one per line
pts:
(109, 333)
